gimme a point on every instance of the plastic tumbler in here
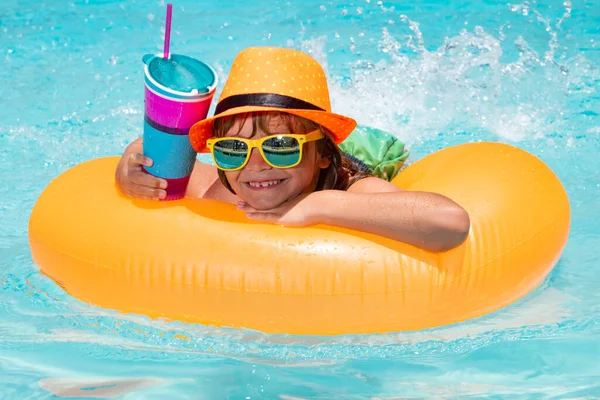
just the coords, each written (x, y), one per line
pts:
(178, 93)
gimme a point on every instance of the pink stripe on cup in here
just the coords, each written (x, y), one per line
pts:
(173, 113)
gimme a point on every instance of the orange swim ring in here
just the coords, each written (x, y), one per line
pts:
(202, 261)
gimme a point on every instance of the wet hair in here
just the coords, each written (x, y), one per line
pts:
(343, 171)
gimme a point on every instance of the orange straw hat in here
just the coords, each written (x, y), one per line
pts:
(275, 79)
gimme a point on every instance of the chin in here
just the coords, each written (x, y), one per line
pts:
(264, 203)
(264, 198)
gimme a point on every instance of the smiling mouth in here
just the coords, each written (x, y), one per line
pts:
(258, 185)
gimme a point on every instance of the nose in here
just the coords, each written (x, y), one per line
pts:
(256, 161)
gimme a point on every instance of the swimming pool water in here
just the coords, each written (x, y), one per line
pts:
(434, 73)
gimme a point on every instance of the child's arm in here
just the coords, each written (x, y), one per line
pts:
(426, 220)
(133, 182)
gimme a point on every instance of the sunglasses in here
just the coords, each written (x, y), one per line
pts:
(279, 151)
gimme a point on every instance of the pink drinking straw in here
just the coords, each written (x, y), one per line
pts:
(168, 31)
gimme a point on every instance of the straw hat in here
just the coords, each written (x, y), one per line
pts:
(275, 79)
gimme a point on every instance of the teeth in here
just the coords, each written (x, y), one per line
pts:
(264, 184)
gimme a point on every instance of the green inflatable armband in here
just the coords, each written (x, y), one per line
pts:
(382, 152)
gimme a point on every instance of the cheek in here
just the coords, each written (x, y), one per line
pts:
(232, 178)
(315, 160)
(309, 167)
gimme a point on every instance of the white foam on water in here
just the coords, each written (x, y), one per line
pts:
(463, 85)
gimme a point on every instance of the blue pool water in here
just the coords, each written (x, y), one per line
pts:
(434, 73)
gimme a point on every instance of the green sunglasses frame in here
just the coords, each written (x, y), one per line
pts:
(257, 143)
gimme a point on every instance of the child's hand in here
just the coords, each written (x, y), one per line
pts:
(134, 182)
(298, 211)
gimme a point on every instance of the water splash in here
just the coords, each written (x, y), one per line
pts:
(463, 85)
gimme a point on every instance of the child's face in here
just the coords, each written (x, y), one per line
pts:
(249, 183)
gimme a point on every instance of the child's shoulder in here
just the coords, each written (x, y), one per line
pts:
(372, 184)
(202, 178)
(204, 183)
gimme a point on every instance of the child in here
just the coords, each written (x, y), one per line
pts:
(274, 141)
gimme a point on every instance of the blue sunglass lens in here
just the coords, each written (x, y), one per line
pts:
(281, 151)
(230, 154)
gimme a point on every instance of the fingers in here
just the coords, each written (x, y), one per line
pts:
(143, 179)
(129, 193)
(242, 206)
(145, 192)
(144, 185)
(259, 216)
(137, 183)
(138, 159)
(137, 176)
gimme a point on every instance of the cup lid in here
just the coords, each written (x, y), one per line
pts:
(181, 73)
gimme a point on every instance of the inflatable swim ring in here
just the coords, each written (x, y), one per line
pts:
(202, 261)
